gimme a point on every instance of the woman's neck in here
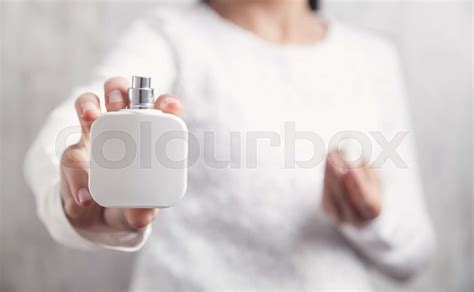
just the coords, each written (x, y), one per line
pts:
(282, 21)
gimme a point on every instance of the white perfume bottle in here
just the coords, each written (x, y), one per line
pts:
(138, 155)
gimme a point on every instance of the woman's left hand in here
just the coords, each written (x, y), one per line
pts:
(351, 195)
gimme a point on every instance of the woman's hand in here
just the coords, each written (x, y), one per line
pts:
(80, 208)
(351, 195)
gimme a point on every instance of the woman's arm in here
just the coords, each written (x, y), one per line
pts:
(398, 237)
(400, 241)
(44, 169)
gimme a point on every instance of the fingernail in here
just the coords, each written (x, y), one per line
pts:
(84, 195)
(88, 106)
(116, 96)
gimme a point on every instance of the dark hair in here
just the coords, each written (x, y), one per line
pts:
(314, 4)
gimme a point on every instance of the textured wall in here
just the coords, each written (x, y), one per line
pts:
(48, 47)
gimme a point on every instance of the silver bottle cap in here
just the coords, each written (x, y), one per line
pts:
(141, 94)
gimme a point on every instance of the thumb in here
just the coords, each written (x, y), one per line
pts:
(129, 219)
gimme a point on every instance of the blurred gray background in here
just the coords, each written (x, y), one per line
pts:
(49, 47)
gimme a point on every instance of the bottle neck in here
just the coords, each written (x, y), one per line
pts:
(141, 94)
(142, 106)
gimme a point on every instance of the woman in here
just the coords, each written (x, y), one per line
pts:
(251, 67)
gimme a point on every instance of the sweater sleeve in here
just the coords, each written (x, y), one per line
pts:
(41, 166)
(401, 240)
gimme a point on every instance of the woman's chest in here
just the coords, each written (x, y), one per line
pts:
(265, 126)
(263, 92)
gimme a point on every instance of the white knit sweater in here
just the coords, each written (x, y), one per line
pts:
(258, 225)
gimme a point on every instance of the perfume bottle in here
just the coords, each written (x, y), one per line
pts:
(138, 155)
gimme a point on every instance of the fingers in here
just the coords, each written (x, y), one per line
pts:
(363, 193)
(356, 193)
(372, 174)
(335, 172)
(75, 170)
(129, 219)
(116, 97)
(139, 218)
(330, 203)
(88, 105)
(88, 110)
(329, 206)
(116, 93)
(169, 104)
